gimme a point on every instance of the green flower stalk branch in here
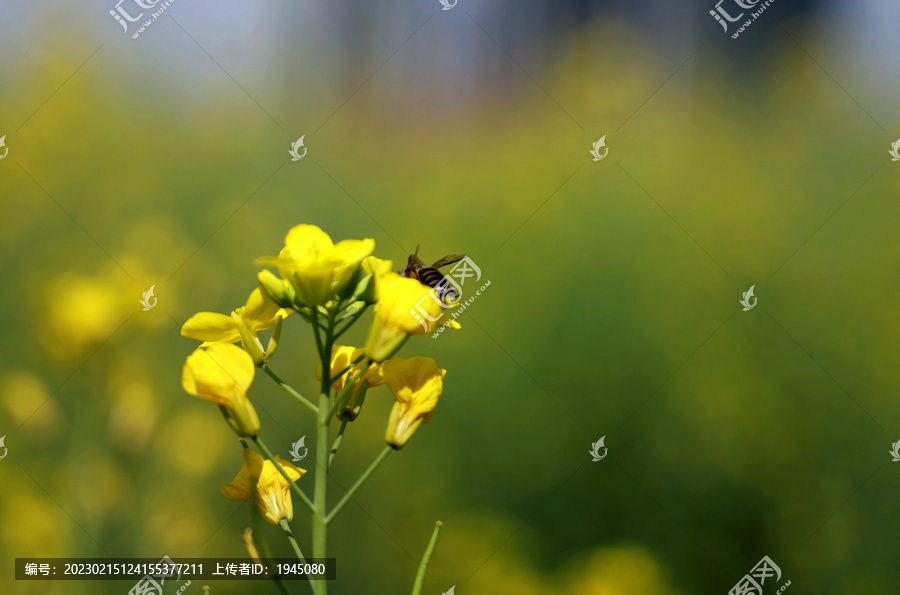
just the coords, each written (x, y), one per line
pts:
(331, 287)
(426, 559)
(306, 403)
(359, 482)
(337, 442)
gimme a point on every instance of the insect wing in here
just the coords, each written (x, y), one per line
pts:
(449, 259)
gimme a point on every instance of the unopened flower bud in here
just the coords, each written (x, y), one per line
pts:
(277, 289)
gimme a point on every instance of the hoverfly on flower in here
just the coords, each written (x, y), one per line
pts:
(430, 276)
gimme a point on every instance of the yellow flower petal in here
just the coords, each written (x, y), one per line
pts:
(376, 266)
(260, 312)
(405, 307)
(261, 481)
(211, 326)
(417, 384)
(222, 373)
(315, 266)
(244, 484)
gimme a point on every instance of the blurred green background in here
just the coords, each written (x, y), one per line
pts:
(613, 306)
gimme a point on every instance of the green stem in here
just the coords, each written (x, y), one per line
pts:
(290, 535)
(315, 325)
(319, 525)
(262, 545)
(262, 446)
(306, 402)
(337, 442)
(423, 567)
(351, 322)
(359, 482)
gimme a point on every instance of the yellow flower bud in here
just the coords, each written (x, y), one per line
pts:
(376, 269)
(278, 290)
(341, 357)
(251, 345)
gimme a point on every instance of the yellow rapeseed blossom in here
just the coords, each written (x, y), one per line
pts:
(417, 383)
(404, 308)
(341, 357)
(260, 480)
(259, 313)
(315, 266)
(222, 373)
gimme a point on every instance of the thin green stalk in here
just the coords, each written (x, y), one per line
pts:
(337, 376)
(262, 446)
(423, 567)
(337, 442)
(315, 325)
(263, 546)
(351, 322)
(306, 402)
(359, 482)
(290, 535)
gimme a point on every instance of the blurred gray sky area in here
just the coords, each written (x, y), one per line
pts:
(286, 52)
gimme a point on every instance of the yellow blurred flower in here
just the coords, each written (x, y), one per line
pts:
(259, 313)
(81, 313)
(27, 398)
(341, 357)
(405, 307)
(260, 480)
(315, 266)
(622, 570)
(222, 373)
(417, 383)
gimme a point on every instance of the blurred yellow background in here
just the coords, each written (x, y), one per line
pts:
(613, 306)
